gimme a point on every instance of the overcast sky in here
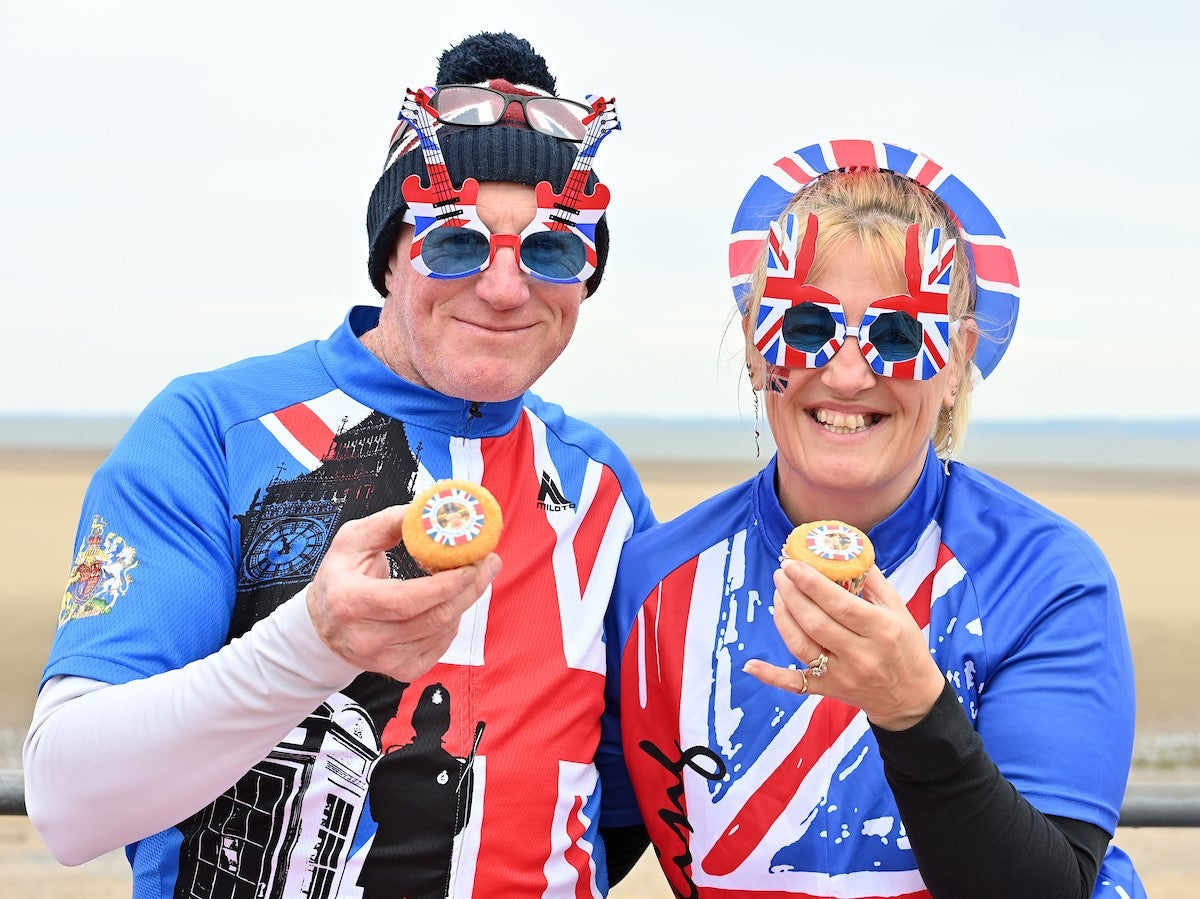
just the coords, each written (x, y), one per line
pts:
(182, 186)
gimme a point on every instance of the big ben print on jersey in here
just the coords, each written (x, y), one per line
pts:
(248, 842)
(290, 523)
(287, 547)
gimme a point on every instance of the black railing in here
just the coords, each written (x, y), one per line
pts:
(1161, 805)
(1146, 805)
(12, 792)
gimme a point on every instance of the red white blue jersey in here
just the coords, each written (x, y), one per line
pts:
(227, 490)
(752, 791)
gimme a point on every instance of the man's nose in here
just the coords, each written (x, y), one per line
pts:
(502, 284)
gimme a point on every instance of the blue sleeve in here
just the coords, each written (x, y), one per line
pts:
(1056, 706)
(153, 579)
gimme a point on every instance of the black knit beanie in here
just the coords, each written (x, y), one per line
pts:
(506, 151)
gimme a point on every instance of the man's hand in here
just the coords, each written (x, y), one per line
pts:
(395, 627)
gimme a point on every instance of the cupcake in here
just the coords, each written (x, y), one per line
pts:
(451, 524)
(838, 550)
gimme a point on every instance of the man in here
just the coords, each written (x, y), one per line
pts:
(243, 638)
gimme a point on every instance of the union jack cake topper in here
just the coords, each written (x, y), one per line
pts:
(990, 260)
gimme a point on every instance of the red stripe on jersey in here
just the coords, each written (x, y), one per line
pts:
(575, 855)
(748, 827)
(668, 826)
(589, 535)
(537, 710)
(922, 598)
(303, 424)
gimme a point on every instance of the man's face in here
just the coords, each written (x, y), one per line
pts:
(486, 337)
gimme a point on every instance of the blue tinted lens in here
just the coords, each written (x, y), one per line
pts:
(808, 327)
(454, 251)
(554, 255)
(896, 336)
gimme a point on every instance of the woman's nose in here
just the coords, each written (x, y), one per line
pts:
(848, 371)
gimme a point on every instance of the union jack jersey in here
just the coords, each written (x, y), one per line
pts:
(476, 780)
(751, 791)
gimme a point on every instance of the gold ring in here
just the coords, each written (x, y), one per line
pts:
(803, 689)
(818, 666)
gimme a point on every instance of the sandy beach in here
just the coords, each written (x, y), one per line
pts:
(42, 492)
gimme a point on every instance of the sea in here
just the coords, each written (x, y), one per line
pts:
(1099, 444)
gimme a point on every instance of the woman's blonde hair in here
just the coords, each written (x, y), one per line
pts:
(875, 209)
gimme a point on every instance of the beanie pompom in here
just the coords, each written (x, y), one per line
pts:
(489, 55)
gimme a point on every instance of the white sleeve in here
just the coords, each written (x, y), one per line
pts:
(173, 742)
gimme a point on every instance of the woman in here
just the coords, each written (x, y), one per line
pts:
(965, 728)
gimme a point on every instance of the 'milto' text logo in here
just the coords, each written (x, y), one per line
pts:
(550, 497)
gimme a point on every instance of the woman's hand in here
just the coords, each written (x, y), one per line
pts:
(878, 659)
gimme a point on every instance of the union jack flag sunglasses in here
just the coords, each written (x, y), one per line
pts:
(905, 336)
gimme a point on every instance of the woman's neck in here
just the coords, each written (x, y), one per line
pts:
(864, 508)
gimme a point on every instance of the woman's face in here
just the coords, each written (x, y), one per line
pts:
(852, 443)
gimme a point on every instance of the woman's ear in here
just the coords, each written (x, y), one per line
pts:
(962, 352)
(756, 365)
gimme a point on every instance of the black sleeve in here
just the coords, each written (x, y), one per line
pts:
(972, 833)
(623, 846)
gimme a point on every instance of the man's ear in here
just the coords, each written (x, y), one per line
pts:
(399, 255)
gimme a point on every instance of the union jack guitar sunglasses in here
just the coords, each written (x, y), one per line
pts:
(906, 336)
(451, 241)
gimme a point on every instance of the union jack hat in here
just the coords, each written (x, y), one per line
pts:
(990, 260)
